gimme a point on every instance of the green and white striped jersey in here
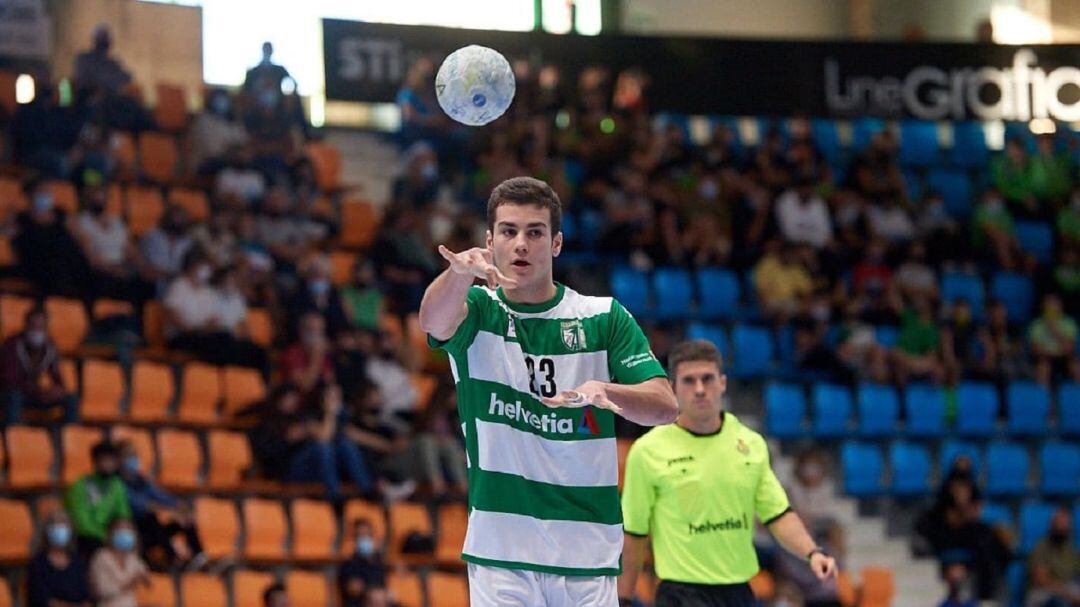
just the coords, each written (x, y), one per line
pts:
(543, 481)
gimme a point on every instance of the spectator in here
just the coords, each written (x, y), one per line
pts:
(918, 350)
(1002, 353)
(275, 596)
(91, 158)
(404, 258)
(98, 499)
(1068, 221)
(857, 347)
(629, 216)
(362, 300)
(914, 278)
(263, 83)
(1054, 566)
(780, 280)
(236, 179)
(1051, 175)
(439, 447)
(420, 117)
(1052, 337)
(48, 254)
(114, 261)
(418, 186)
(218, 238)
(959, 343)
(1067, 280)
(939, 230)
(166, 245)
(386, 371)
(213, 133)
(116, 569)
(309, 361)
(57, 575)
(301, 442)
(43, 131)
(286, 236)
(802, 215)
(875, 173)
(364, 569)
(149, 504)
(812, 496)
(316, 293)
(957, 578)
(890, 221)
(30, 371)
(379, 597)
(994, 233)
(1010, 174)
(96, 73)
(812, 354)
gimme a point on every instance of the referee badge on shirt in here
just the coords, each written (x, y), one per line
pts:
(742, 447)
(573, 335)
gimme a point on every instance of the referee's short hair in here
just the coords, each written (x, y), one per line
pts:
(694, 350)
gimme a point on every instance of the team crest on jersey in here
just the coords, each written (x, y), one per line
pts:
(573, 335)
(742, 447)
(511, 330)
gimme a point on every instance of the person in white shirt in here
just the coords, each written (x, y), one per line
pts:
(116, 264)
(803, 217)
(890, 220)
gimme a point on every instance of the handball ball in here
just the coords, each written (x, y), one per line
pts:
(475, 85)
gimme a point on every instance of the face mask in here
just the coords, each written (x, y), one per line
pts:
(709, 190)
(123, 539)
(131, 464)
(429, 171)
(202, 275)
(58, 534)
(35, 338)
(43, 203)
(220, 105)
(365, 546)
(319, 286)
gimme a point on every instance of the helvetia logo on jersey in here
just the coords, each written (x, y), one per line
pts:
(588, 423)
(544, 423)
(573, 335)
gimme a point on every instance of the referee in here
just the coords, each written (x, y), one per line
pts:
(695, 487)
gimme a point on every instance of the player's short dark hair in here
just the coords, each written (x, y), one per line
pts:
(525, 190)
(694, 350)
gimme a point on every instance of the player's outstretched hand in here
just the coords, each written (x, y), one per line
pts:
(823, 566)
(589, 393)
(477, 262)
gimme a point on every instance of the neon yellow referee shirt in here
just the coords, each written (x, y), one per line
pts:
(697, 496)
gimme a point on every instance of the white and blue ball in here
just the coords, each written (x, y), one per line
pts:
(475, 85)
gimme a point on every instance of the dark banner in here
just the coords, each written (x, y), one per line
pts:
(367, 62)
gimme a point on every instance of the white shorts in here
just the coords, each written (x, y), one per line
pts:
(498, 587)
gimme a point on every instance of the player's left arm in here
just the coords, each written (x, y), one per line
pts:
(787, 527)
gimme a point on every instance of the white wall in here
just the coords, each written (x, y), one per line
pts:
(157, 42)
(813, 19)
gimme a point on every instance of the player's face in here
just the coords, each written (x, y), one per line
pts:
(699, 385)
(523, 245)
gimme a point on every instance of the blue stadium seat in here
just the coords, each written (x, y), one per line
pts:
(1037, 238)
(911, 468)
(968, 287)
(631, 288)
(753, 347)
(785, 409)
(832, 410)
(1016, 582)
(913, 184)
(665, 119)
(569, 227)
(1059, 467)
(955, 188)
(969, 145)
(863, 130)
(863, 466)
(1068, 398)
(924, 411)
(887, 335)
(995, 515)
(1021, 131)
(673, 292)
(1016, 292)
(951, 450)
(714, 333)
(1034, 523)
(879, 408)
(1028, 406)
(827, 138)
(718, 294)
(977, 409)
(919, 143)
(1007, 468)
(1076, 517)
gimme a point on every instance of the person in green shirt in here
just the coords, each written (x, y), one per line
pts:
(918, 347)
(993, 230)
(695, 487)
(1068, 221)
(1052, 337)
(94, 501)
(1050, 173)
(1010, 174)
(362, 300)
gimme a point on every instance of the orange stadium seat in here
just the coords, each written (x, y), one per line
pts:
(265, 530)
(69, 374)
(194, 202)
(230, 457)
(314, 530)
(405, 518)
(102, 389)
(12, 197)
(171, 112)
(8, 258)
(307, 589)
(356, 509)
(143, 443)
(68, 323)
(447, 590)
(6, 599)
(154, 324)
(77, 442)
(218, 525)
(248, 587)
(126, 154)
(453, 520)
(359, 224)
(144, 208)
(30, 457)
(341, 267)
(104, 308)
(158, 156)
(16, 531)
(161, 592)
(242, 386)
(114, 201)
(260, 326)
(200, 394)
(406, 588)
(13, 309)
(152, 390)
(65, 196)
(203, 589)
(180, 459)
(877, 587)
(326, 160)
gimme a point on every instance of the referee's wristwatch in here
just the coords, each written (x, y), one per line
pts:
(816, 550)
